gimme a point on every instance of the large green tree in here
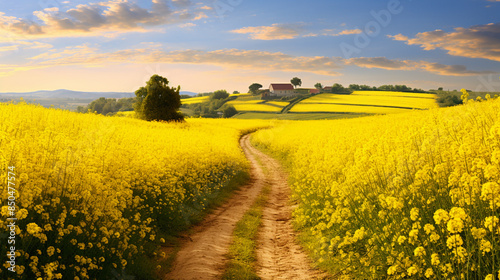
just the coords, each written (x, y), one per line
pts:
(296, 82)
(254, 88)
(157, 101)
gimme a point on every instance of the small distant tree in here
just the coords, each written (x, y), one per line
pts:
(157, 101)
(337, 88)
(296, 82)
(354, 87)
(318, 86)
(254, 88)
(219, 94)
(236, 92)
(440, 89)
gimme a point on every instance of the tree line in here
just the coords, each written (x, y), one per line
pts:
(217, 103)
(108, 106)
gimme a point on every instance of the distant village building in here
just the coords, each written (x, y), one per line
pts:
(280, 90)
(327, 89)
(314, 91)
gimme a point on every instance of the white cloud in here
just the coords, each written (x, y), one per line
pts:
(89, 56)
(480, 41)
(115, 16)
(289, 31)
(277, 31)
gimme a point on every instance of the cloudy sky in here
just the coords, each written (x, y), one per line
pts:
(228, 44)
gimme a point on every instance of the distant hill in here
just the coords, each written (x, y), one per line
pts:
(64, 93)
(188, 93)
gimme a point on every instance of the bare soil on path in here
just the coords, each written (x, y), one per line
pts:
(278, 254)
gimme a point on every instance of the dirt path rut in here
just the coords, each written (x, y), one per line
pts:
(279, 256)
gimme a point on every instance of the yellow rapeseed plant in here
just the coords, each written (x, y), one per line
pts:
(92, 190)
(407, 196)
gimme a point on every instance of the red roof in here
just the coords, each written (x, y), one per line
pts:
(282, 87)
(314, 91)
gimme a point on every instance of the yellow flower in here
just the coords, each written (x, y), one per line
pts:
(50, 251)
(435, 259)
(392, 270)
(478, 233)
(414, 214)
(412, 270)
(434, 237)
(419, 251)
(441, 216)
(485, 246)
(454, 241)
(401, 240)
(22, 214)
(455, 225)
(491, 223)
(33, 228)
(428, 228)
(429, 273)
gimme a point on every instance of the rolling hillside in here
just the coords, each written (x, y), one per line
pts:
(333, 106)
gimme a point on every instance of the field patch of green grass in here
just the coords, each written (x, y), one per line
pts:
(254, 103)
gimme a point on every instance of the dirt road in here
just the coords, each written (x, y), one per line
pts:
(279, 256)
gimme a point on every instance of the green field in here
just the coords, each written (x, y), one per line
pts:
(254, 103)
(334, 106)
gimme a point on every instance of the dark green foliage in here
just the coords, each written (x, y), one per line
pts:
(219, 94)
(228, 111)
(157, 101)
(214, 105)
(339, 89)
(449, 100)
(108, 106)
(296, 82)
(402, 88)
(254, 88)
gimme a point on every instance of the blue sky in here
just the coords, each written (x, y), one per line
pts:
(228, 44)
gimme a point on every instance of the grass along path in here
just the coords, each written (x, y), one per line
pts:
(279, 256)
(264, 245)
(203, 256)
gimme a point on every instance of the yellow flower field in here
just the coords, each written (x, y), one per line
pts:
(92, 190)
(406, 196)
(194, 100)
(364, 102)
(278, 103)
(382, 98)
(339, 108)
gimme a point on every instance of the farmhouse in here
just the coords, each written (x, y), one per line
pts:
(314, 91)
(280, 90)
